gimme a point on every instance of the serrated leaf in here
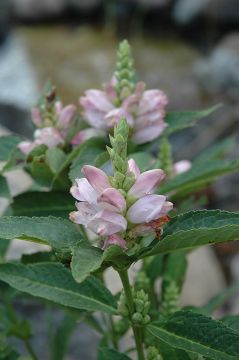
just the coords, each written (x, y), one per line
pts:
(179, 120)
(87, 155)
(168, 352)
(197, 228)
(57, 232)
(85, 260)
(4, 188)
(199, 176)
(232, 321)
(196, 333)
(7, 145)
(54, 282)
(111, 354)
(39, 203)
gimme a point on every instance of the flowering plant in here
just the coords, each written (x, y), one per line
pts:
(103, 201)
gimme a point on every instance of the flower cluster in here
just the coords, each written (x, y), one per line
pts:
(113, 214)
(53, 122)
(143, 109)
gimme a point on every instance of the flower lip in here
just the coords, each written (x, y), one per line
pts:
(146, 183)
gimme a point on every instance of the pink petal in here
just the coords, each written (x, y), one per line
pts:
(83, 191)
(84, 135)
(99, 100)
(130, 104)
(133, 167)
(95, 118)
(181, 166)
(96, 177)
(108, 223)
(36, 117)
(58, 107)
(146, 183)
(113, 198)
(114, 240)
(86, 212)
(26, 147)
(114, 116)
(66, 115)
(109, 89)
(149, 133)
(49, 136)
(146, 209)
(152, 100)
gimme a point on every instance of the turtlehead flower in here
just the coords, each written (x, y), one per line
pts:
(52, 129)
(112, 213)
(144, 111)
(181, 167)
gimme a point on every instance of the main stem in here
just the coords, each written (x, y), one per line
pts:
(136, 330)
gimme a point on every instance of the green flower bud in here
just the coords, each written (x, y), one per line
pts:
(170, 300)
(137, 318)
(153, 354)
(165, 156)
(124, 73)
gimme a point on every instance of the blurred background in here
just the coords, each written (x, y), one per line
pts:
(188, 48)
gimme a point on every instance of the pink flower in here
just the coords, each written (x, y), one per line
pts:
(100, 206)
(181, 167)
(52, 132)
(48, 136)
(112, 215)
(143, 110)
(114, 240)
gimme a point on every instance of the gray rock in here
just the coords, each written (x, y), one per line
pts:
(220, 71)
(34, 9)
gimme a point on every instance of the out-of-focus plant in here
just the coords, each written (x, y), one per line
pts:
(132, 205)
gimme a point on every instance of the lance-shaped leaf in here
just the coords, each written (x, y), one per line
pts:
(39, 203)
(232, 321)
(199, 176)
(196, 333)
(54, 282)
(4, 188)
(197, 228)
(56, 232)
(7, 145)
(111, 354)
(180, 120)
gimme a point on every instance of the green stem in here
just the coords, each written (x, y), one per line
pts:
(113, 335)
(30, 349)
(136, 329)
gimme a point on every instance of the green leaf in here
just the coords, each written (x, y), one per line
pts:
(87, 155)
(175, 268)
(40, 256)
(36, 203)
(180, 120)
(54, 158)
(217, 151)
(219, 299)
(4, 189)
(57, 232)
(7, 145)
(85, 260)
(61, 339)
(154, 269)
(168, 352)
(110, 354)
(4, 244)
(53, 282)
(196, 333)
(197, 228)
(232, 321)
(199, 176)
